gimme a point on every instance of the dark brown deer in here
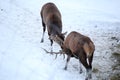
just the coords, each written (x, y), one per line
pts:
(81, 47)
(51, 18)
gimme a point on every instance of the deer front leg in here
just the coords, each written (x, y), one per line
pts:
(44, 28)
(80, 67)
(68, 59)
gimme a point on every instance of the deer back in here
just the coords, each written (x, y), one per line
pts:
(51, 15)
(76, 42)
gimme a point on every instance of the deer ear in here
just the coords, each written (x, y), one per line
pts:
(64, 33)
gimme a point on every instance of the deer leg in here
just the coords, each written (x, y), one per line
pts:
(68, 59)
(80, 67)
(51, 45)
(90, 61)
(89, 70)
(89, 74)
(44, 28)
(83, 60)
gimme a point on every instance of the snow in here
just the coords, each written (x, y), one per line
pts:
(21, 53)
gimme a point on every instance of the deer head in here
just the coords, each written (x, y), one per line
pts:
(58, 39)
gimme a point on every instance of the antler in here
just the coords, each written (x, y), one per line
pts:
(60, 52)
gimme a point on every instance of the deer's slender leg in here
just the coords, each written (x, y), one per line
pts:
(68, 59)
(44, 28)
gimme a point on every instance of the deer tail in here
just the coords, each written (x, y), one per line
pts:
(89, 49)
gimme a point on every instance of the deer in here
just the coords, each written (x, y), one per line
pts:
(78, 46)
(51, 18)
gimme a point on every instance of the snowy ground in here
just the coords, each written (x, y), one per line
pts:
(21, 56)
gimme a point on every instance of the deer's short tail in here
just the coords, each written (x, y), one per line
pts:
(89, 49)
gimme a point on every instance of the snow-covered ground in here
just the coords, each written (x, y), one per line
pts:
(21, 53)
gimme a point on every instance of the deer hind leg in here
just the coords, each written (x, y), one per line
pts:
(68, 59)
(83, 60)
(90, 61)
(44, 28)
(51, 45)
(89, 70)
(80, 67)
(51, 42)
(88, 74)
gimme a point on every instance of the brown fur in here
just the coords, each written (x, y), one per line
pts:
(79, 46)
(51, 18)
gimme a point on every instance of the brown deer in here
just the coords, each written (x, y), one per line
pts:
(81, 47)
(51, 18)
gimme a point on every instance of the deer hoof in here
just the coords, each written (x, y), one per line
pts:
(86, 78)
(65, 68)
(41, 41)
(81, 71)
